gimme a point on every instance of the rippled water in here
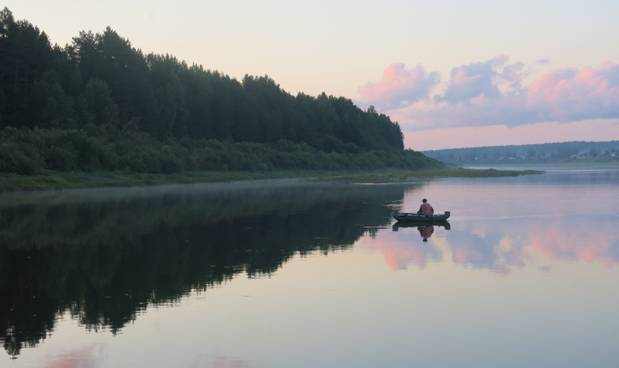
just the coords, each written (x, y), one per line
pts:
(291, 274)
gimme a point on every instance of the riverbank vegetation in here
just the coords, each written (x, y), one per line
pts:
(100, 104)
(67, 180)
(99, 111)
(35, 151)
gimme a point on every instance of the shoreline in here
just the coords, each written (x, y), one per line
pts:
(77, 180)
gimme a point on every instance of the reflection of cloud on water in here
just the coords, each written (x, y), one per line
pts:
(503, 246)
(205, 360)
(475, 251)
(403, 248)
(85, 357)
(224, 362)
(577, 241)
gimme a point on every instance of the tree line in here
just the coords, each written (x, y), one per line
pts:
(100, 79)
(532, 153)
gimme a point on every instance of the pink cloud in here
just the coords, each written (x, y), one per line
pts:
(482, 79)
(399, 86)
(495, 92)
(576, 94)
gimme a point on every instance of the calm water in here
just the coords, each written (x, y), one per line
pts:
(312, 275)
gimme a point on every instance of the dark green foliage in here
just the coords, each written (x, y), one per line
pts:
(102, 80)
(108, 148)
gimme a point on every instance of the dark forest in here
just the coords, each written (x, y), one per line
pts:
(100, 104)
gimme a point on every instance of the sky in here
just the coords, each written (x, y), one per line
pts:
(452, 73)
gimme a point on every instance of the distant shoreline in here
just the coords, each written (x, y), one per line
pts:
(75, 180)
(543, 166)
(606, 152)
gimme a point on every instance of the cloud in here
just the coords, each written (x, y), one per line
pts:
(482, 79)
(399, 87)
(496, 92)
(576, 94)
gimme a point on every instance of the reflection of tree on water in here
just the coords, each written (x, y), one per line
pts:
(105, 261)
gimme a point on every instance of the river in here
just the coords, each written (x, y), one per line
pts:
(289, 273)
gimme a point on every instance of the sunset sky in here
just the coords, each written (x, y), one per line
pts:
(452, 73)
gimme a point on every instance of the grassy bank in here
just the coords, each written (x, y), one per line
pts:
(68, 180)
(405, 175)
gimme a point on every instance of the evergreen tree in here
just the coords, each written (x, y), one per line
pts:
(101, 81)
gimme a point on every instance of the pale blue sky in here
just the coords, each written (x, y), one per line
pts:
(337, 46)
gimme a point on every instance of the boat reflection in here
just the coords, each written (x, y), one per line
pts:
(425, 229)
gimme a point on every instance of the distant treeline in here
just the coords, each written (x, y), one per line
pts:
(532, 153)
(101, 80)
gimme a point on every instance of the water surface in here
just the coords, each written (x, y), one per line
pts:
(290, 274)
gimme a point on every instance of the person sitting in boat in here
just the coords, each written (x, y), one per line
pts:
(425, 208)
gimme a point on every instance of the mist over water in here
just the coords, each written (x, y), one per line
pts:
(289, 273)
